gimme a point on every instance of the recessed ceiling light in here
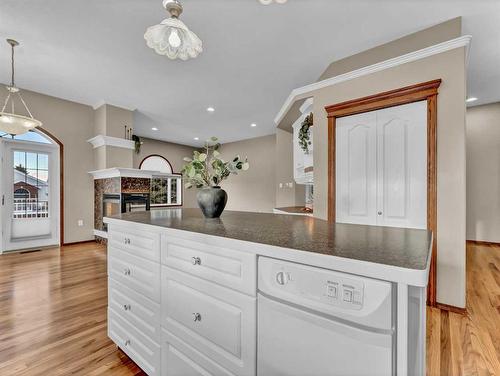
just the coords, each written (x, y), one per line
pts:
(196, 138)
(471, 99)
(253, 125)
(210, 109)
(154, 129)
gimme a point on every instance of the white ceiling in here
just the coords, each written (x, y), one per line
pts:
(91, 51)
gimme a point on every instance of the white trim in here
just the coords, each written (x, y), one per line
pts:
(307, 103)
(101, 234)
(128, 173)
(101, 140)
(463, 41)
(102, 103)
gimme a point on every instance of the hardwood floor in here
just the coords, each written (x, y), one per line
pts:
(469, 344)
(53, 317)
(53, 314)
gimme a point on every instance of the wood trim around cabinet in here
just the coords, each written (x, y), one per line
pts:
(61, 181)
(409, 94)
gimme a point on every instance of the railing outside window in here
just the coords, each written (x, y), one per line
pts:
(30, 208)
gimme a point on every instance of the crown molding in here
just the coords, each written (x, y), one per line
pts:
(101, 140)
(102, 103)
(463, 41)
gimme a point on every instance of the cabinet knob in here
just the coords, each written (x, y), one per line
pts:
(126, 307)
(127, 241)
(196, 261)
(379, 213)
(126, 271)
(196, 317)
(127, 342)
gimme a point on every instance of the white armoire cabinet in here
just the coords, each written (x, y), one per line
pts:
(381, 167)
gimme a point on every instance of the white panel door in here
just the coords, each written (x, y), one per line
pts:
(381, 167)
(402, 166)
(356, 166)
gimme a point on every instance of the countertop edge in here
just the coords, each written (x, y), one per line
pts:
(398, 274)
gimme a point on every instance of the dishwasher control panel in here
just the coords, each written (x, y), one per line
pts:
(356, 298)
(320, 285)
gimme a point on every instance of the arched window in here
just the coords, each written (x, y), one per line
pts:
(156, 162)
(21, 193)
(32, 136)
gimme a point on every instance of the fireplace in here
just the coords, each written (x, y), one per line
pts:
(113, 203)
(132, 202)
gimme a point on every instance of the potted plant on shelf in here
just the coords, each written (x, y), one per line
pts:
(206, 171)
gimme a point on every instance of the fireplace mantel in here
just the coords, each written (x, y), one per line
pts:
(116, 172)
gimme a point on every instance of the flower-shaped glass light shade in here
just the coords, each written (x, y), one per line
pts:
(173, 39)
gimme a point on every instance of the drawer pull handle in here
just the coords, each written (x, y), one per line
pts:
(126, 271)
(196, 261)
(196, 317)
(127, 342)
(126, 307)
(127, 241)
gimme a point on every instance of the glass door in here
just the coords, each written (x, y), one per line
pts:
(30, 182)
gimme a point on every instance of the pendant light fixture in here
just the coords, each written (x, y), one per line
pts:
(10, 122)
(172, 37)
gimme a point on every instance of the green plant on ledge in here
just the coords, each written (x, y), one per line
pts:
(207, 169)
(305, 134)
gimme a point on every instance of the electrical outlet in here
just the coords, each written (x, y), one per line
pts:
(80, 222)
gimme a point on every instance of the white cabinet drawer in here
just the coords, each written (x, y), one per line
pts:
(180, 359)
(226, 267)
(141, 243)
(140, 311)
(217, 321)
(139, 274)
(144, 352)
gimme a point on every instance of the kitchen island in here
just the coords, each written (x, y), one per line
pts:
(189, 295)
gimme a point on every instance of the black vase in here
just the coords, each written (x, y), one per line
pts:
(212, 201)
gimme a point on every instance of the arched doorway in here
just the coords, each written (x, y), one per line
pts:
(31, 188)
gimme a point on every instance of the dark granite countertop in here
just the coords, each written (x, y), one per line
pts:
(405, 248)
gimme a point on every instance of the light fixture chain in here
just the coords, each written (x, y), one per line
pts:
(24, 104)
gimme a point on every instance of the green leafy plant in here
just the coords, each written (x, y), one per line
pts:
(207, 169)
(305, 133)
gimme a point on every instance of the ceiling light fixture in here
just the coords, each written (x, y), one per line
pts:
(253, 125)
(267, 2)
(172, 37)
(10, 122)
(196, 138)
(210, 109)
(154, 129)
(471, 99)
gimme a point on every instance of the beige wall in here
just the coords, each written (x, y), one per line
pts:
(174, 153)
(483, 173)
(450, 67)
(286, 196)
(252, 190)
(111, 121)
(72, 124)
(431, 36)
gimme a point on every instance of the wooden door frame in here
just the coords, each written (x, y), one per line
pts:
(61, 181)
(409, 94)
